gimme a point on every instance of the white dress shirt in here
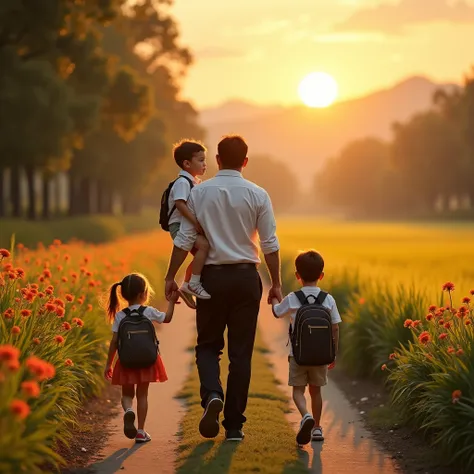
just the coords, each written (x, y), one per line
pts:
(290, 304)
(180, 192)
(232, 211)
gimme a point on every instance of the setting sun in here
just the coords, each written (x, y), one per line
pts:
(318, 89)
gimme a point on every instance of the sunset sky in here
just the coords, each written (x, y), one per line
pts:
(259, 50)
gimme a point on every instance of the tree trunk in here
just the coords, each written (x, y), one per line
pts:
(2, 192)
(30, 180)
(104, 195)
(84, 198)
(57, 195)
(73, 195)
(15, 197)
(46, 197)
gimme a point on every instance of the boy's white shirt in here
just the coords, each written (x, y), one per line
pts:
(180, 192)
(151, 313)
(290, 304)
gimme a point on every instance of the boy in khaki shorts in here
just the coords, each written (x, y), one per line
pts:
(309, 271)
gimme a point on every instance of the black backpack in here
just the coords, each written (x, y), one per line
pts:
(165, 212)
(311, 338)
(137, 341)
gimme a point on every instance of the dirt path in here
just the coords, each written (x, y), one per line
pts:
(348, 447)
(164, 412)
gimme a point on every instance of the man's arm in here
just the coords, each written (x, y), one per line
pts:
(266, 227)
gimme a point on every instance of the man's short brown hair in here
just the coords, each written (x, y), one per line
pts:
(185, 150)
(309, 265)
(232, 151)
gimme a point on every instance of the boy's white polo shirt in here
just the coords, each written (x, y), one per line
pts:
(180, 192)
(290, 304)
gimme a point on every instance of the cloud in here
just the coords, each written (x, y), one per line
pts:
(393, 18)
(218, 52)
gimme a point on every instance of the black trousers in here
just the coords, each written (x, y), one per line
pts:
(236, 291)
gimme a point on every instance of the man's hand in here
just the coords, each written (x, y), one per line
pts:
(171, 290)
(275, 293)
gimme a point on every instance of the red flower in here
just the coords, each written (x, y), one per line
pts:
(468, 322)
(12, 275)
(74, 275)
(67, 258)
(447, 325)
(47, 273)
(432, 308)
(39, 368)
(60, 311)
(408, 323)
(4, 253)
(466, 300)
(31, 389)
(393, 356)
(16, 330)
(462, 311)
(36, 341)
(66, 326)
(448, 286)
(456, 395)
(459, 352)
(49, 291)
(384, 367)
(25, 313)
(416, 323)
(450, 350)
(89, 307)
(443, 335)
(20, 273)
(50, 307)
(59, 339)
(429, 316)
(69, 298)
(9, 352)
(441, 322)
(8, 314)
(20, 408)
(59, 302)
(69, 362)
(64, 279)
(471, 292)
(424, 337)
(13, 365)
(92, 283)
(78, 321)
(41, 294)
(34, 286)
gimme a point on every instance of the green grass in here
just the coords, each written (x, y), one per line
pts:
(91, 229)
(269, 445)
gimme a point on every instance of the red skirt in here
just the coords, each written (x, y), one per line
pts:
(125, 376)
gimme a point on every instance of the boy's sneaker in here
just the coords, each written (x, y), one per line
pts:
(317, 434)
(129, 429)
(198, 291)
(187, 296)
(142, 437)
(305, 432)
(234, 435)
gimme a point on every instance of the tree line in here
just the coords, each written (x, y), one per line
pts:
(427, 167)
(89, 88)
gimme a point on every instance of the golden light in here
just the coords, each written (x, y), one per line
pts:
(318, 89)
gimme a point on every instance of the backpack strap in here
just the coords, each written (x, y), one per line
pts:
(191, 185)
(301, 297)
(141, 310)
(127, 312)
(321, 297)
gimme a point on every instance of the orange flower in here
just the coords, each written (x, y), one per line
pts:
(424, 337)
(429, 316)
(34, 286)
(64, 279)
(459, 352)
(462, 311)
(25, 313)
(49, 291)
(66, 326)
(74, 275)
(67, 258)
(4, 253)
(468, 322)
(36, 341)
(91, 283)
(31, 389)
(456, 395)
(12, 275)
(60, 311)
(448, 286)
(443, 336)
(9, 352)
(59, 302)
(408, 323)
(20, 273)
(39, 368)
(20, 408)
(441, 322)
(393, 356)
(416, 323)
(466, 300)
(384, 367)
(447, 325)
(89, 307)
(59, 339)
(16, 330)
(8, 314)
(50, 307)
(41, 294)
(471, 292)
(78, 321)
(13, 365)
(69, 298)
(47, 273)
(69, 362)
(432, 308)
(450, 350)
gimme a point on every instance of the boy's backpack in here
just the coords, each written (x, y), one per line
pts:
(137, 341)
(165, 212)
(311, 337)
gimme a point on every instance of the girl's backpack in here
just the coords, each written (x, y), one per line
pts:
(165, 212)
(311, 337)
(137, 341)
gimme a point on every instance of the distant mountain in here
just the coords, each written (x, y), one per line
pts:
(307, 137)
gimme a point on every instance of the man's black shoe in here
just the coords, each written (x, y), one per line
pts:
(209, 424)
(234, 435)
